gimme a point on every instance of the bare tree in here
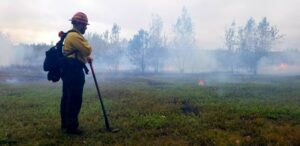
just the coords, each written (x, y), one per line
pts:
(231, 42)
(108, 47)
(100, 46)
(255, 42)
(157, 49)
(138, 48)
(184, 40)
(116, 51)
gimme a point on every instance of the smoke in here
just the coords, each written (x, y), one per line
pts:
(12, 81)
(280, 63)
(14, 54)
(200, 60)
(6, 50)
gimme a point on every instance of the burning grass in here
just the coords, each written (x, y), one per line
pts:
(159, 110)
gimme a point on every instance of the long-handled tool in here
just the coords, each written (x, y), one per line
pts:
(102, 105)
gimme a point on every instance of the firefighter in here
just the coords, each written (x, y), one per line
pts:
(73, 76)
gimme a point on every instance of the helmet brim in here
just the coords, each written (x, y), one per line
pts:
(79, 22)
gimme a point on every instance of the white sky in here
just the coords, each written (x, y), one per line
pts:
(40, 20)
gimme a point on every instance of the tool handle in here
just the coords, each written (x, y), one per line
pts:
(101, 102)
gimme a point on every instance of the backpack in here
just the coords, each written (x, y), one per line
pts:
(54, 56)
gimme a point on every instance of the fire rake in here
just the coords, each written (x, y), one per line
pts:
(108, 128)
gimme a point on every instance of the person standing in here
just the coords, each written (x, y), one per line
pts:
(77, 51)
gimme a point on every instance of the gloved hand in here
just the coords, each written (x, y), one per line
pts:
(89, 59)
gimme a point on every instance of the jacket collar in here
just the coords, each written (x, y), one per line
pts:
(76, 30)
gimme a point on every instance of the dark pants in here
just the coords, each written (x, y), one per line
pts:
(73, 82)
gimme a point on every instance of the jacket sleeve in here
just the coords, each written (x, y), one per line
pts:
(80, 44)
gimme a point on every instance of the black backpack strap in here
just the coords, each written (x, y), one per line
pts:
(62, 38)
(86, 70)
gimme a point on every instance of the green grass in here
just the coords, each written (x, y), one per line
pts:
(159, 110)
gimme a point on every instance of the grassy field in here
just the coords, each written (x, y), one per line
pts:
(166, 109)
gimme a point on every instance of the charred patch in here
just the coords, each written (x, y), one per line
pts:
(189, 107)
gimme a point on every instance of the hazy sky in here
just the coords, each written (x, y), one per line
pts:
(40, 20)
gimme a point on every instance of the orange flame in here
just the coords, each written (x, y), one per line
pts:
(201, 83)
(282, 66)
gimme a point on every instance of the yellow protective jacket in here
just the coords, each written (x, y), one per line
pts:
(75, 41)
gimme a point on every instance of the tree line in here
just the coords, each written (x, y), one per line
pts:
(150, 50)
(147, 50)
(248, 44)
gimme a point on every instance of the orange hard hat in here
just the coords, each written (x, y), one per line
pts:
(80, 17)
